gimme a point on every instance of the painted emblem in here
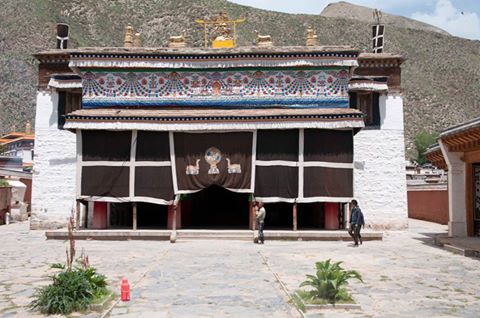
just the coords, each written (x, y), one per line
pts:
(213, 156)
(193, 170)
(233, 167)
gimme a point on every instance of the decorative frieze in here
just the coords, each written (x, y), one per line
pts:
(244, 88)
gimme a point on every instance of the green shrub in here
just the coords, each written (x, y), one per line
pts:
(328, 284)
(4, 183)
(71, 290)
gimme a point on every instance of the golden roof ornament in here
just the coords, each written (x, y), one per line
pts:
(128, 41)
(177, 41)
(28, 127)
(137, 40)
(263, 40)
(312, 38)
(224, 30)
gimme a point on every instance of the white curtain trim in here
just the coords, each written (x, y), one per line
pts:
(126, 199)
(161, 126)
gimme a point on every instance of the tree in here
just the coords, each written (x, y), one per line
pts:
(422, 141)
(2, 149)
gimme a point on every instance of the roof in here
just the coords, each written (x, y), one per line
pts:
(200, 50)
(15, 136)
(460, 138)
(380, 56)
(207, 119)
(472, 124)
(179, 114)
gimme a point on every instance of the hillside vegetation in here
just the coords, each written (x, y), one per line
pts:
(441, 76)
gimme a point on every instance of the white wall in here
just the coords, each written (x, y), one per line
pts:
(379, 175)
(53, 192)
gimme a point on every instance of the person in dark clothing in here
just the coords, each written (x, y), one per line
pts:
(356, 223)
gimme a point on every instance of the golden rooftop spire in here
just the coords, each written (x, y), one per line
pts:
(222, 26)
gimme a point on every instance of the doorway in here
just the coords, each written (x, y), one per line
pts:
(215, 208)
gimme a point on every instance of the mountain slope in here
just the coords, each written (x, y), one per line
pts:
(441, 76)
(347, 10)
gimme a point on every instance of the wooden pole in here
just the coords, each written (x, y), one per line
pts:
(173, 235)
(295, 216)
(174, 221)
(134, 210)
(86, 215)
(77, 216)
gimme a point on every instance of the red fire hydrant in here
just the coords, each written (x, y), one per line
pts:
(125, 290)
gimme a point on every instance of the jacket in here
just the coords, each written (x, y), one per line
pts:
(357, 216)
(260, 214)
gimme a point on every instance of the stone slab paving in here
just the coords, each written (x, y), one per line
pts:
(405, 276)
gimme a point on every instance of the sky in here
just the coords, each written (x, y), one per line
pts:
(458, 17)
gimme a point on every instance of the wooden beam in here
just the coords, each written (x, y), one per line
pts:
(77, 215)
(295, 216)
(134, 214)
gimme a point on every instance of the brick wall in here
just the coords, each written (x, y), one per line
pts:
(428, 203)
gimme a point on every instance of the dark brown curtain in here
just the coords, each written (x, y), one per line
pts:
(327, 182)
(104, 145)
(222, 159)
(277, 145)
(276, 181)
(154, 182)
(328, 145)
(105, 181)
(152, 146)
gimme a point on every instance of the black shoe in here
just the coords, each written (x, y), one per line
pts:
(361, 242)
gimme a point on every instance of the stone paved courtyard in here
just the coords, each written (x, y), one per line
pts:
(404, 275)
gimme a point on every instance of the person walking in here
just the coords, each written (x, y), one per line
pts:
(260, 216)
(356, 223)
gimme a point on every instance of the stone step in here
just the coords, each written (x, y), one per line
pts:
(244, 235)
(214, 235)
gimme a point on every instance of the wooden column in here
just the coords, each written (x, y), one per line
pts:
(252, 217)
(295, 216)
(86, 215)
(173, 235)
(77, 215)
(134, 213)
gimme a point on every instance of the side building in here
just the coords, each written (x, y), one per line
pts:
(458, 152)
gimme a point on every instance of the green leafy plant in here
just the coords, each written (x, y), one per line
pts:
(329, 283)
(422, 141)
(72, 289)
(4, 183)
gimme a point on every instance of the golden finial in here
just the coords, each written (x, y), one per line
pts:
(137, 40)
(263, 40)
(28, 127)
(128, 42)
(177, 41)
(311, 36)
(224, 30)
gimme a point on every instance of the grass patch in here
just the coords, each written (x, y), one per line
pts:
(308, 297)
(71, 290)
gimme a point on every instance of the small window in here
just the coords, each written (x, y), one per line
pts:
(368, 104)
(68, 102)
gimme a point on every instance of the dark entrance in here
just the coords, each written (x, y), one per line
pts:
(311, 216)
(149, 216)
(279, 216)
(476, 199)
(215, 208)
